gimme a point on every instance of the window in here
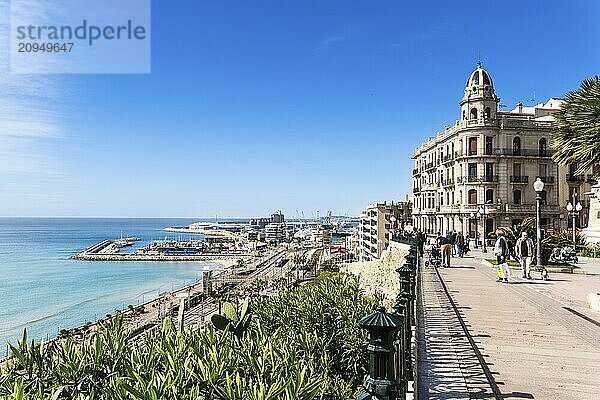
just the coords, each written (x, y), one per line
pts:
(473, 113)
(487, 113)
(544, 196)
(572, 169)
(464, 114)
(517, 146)
(472, 196)
(542, 147)
(489, 226)
(489, 196)
(517, 169)
(517, 197)
(489, 172)
(472, 172)
(488, 145)
(472, 146)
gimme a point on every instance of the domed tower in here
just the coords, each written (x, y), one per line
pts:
(480, 101)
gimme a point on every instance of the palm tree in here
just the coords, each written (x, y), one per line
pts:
(577, 129)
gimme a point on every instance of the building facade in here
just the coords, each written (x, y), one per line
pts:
(377, 225)
(478, 174)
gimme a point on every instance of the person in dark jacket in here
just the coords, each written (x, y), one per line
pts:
(460, 244)
(446, 249)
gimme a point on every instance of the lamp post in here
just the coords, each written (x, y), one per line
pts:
(482, 213)
(475, 217)
(392, 221)
(574, 213)
(538, 186)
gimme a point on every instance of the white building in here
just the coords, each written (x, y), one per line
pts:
(478, 174)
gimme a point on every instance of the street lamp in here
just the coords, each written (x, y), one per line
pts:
(538, 186)
(574, 213)
(392, 221)
(482, 214)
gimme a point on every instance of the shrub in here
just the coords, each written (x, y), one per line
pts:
(301, 344)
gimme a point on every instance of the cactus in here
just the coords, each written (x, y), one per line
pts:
(231, 320)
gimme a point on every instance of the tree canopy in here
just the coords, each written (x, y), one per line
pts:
(576, 137)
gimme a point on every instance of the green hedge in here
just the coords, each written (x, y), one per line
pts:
(302, 344)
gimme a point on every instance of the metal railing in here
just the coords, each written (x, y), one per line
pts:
(519, 179)
(391, 358)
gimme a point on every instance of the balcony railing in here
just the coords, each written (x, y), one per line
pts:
(416, 190)
(575, 178)
(521, 152)
(519, 179)
(547, 179)
(447, 182)
(415, 171)
(491, 178)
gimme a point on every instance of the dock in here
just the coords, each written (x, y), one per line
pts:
(108, 250)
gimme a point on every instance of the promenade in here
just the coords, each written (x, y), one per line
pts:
(522, 340)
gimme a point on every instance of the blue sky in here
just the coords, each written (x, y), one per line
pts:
(264, 105)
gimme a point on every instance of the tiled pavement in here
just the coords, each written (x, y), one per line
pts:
(525, 339)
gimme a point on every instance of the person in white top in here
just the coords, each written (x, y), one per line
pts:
(501, 252)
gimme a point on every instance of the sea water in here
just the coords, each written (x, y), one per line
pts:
(43, 290)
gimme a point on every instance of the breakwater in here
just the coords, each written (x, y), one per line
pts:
(108, 250)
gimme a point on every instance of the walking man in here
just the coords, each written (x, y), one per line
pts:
(524, 252)
(501, 252)
(446, 249)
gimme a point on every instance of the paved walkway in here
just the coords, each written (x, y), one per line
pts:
(523, 340)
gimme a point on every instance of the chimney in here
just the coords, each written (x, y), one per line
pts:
(520, 107)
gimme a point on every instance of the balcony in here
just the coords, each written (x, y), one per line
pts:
(575, 178)
(491, 178)
(472, 152)
(520, 208)
(416, 190)
(447, 158)
(416, 171)
(592, 179)
(519, 179)
(547, 179)
(522, 152)
(447, 182)
(429, 166)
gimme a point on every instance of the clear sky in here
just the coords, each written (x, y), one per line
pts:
(253, 106)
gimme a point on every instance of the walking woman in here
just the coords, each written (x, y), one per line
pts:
(501, 252)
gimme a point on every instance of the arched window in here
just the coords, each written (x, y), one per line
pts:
(473, 113)
(464, 114)
(472, 196)
(487, 113)
(517, 197)
(542, 147)
(517, 146)
(489, 196)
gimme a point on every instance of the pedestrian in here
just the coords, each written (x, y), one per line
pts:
(524, 252)
(460, 244)
(420, 242)
(453, 242)
(446, 249)
(501, 252)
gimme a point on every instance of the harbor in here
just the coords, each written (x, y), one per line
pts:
(164, 250)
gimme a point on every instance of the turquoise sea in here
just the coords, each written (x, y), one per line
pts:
(41, 289)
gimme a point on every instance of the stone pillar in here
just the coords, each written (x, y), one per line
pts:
(592, 232)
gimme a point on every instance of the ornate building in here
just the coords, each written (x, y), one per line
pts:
(478, 174)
